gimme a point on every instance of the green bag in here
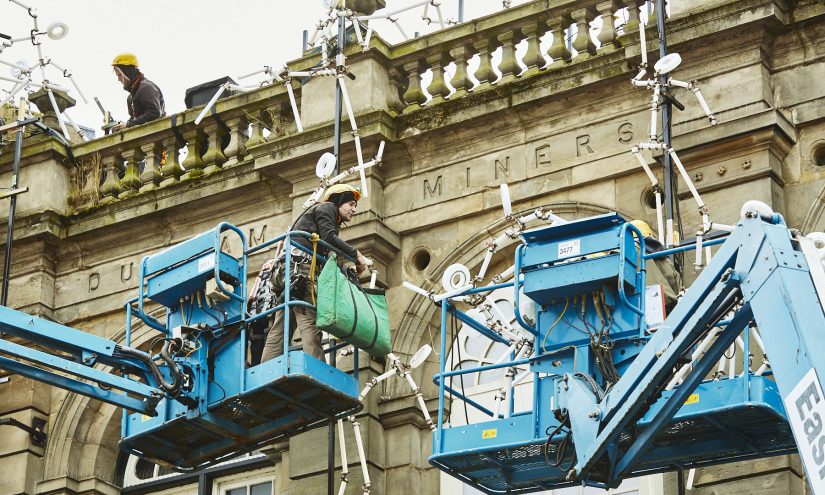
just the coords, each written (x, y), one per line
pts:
(352, 313)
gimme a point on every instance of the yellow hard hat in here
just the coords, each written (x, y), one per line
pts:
(125, 58)
(643, 227)
(342, 188)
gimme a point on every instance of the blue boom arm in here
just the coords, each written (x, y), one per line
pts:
(760, 276)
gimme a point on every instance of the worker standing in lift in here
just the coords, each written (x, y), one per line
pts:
(145, 100)
(325, 219)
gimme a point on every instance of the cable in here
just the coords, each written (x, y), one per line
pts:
(561, 315)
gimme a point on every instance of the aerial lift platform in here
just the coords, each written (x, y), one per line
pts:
(613, 397)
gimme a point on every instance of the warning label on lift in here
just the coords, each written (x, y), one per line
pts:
(491, 433)
(806, 412)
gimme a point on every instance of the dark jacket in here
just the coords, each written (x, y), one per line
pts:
(323, 220)
(145, 102)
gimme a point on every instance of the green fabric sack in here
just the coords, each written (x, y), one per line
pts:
(352, 313)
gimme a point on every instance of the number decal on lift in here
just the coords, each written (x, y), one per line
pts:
(570, 248)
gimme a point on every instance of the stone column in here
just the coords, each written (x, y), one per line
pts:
(131, 180)
(44, 104)
(256, 136)
(169, 166)
(394, 101)
(193, 163)
(607, 35)
(150, 176)
(110, 188)
(414, 96)
(214, 157)
(438, 88)
(509, 66)
(533, 58)
(484, 74)
(582, 43)
(236, 148)
(558, 50)
(461, 81)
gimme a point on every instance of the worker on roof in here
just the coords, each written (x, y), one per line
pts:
(325, 218)
(145, 100)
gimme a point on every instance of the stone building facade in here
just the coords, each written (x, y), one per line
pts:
(555, 121)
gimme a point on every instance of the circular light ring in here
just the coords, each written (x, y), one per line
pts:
(667, 63)
(325, 165)
(420, 356)
(758, 206)
(455, 277)
(57, 30)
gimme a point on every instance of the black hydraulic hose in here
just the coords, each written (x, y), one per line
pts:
(170, 388)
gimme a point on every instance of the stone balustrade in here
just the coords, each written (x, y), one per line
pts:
(174, 150)
(575, 30)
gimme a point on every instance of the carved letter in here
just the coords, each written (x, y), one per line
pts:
(543, 155)
(626, 133)
(503, 167)
(94, 281)
(468, 176)
(583, 140)
(124, 276)
(255, 240)
(225, 244)
(434, 190)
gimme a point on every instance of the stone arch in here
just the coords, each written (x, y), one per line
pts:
(420, 312)
(815, 217)
(85, 433)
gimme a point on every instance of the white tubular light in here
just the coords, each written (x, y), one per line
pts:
(758, 339)
(367, 38)
(342, 443)
(373, 278)
(452, 293)
(722, 227)
(438, 11)
(363, 458)
(486, 263)
(506, 204)
(555, 219)
(638, 81)
(650, 175)
(654, 112)
(732, 362)
(528, 218)
(698, 263)
(686, 177)
(643, 42)
(209, 105)
(380, 154)
(700, 349)
(357, 29)
(400, 29)
(420, 398)
(82, 96)
(58, 113)
(704, 104)
(418, 290)
(314, 198)
(76, 128)
(505, 274)
(659, 216)
(253, 73)
(31, 10)
(520, 378)
(294, 106)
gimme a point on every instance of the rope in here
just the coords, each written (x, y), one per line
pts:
(314, 238)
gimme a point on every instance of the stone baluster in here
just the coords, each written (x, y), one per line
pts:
(533, 58)
(110, 188)
(632, 23)
(558, 50)
(438, 88)
(214, 157)
(236, 148)
(150, 176)
(394, 101)
(169, 166)
(509, 66)
(414, 96)
(193, 163)
(484, 73)
(256, 135)
(461, 80)
(582, 42)
(607, 35)
(131, 178)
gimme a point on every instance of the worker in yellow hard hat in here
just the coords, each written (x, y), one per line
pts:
(661, 270)
(339, 204)
(145, 101)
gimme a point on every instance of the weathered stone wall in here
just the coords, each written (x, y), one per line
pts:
(558, 131)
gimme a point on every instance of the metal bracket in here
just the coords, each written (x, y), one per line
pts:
(36, 431)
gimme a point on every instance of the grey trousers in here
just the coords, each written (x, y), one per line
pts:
(306, 329)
